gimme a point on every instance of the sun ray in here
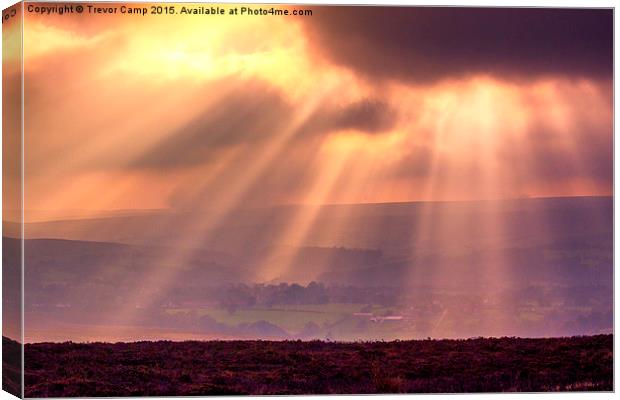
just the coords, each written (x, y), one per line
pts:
(206, 224)
(248, 136)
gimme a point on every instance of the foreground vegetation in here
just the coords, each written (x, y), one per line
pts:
(317, 367)
(11, 366)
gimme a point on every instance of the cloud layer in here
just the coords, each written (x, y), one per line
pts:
(353, 104)
(422, 44)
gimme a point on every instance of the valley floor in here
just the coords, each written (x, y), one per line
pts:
(318, 367)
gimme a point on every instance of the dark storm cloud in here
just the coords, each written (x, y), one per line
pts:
(368, 116)
(422, 44)
(250, 113)
(253, 113)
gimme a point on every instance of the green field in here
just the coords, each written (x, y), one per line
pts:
(291, 318)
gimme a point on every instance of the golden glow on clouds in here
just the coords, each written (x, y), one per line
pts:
(133, 84)
(42, 39)
(270, 49)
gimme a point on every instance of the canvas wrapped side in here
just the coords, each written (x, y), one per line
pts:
(12, 195)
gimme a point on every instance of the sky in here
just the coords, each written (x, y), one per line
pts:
(348, 105)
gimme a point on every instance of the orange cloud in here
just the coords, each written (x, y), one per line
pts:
(113, 100)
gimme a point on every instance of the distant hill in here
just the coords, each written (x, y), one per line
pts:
(394, 228)
(554, 253)
(563, 240)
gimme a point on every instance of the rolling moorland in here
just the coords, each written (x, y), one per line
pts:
(339, 318)
(363, 272)
(317, 367)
